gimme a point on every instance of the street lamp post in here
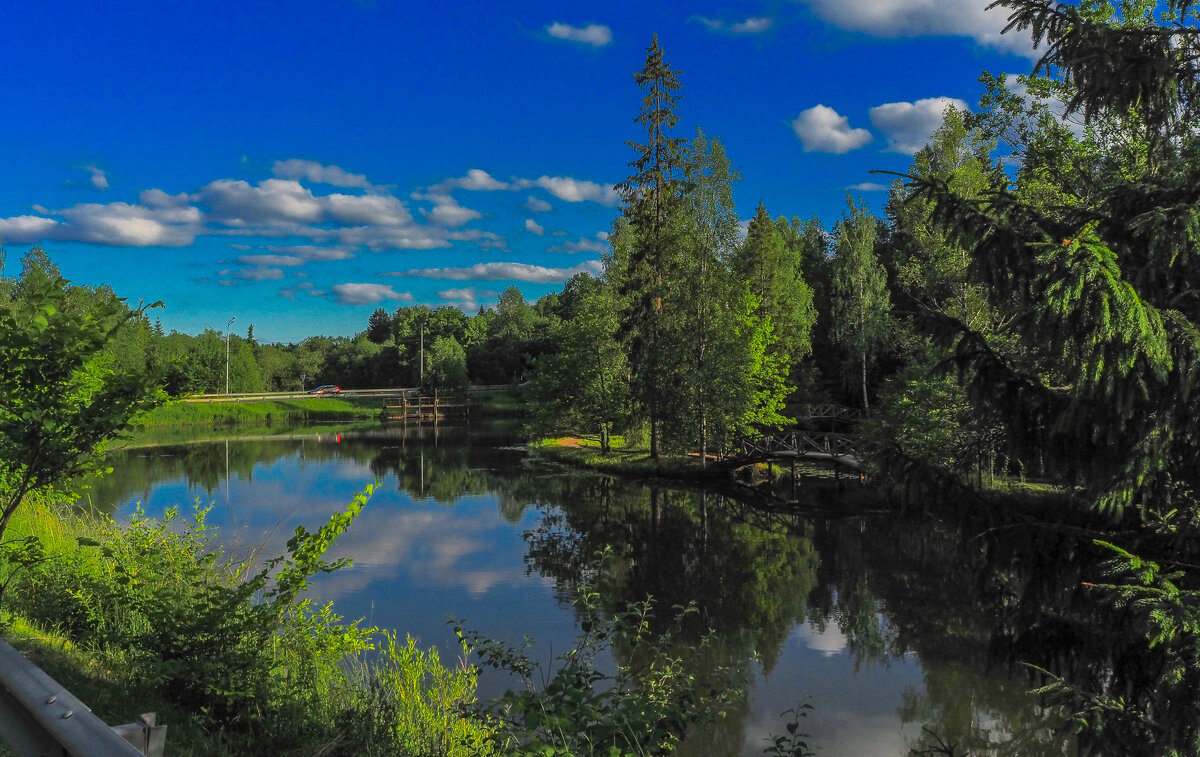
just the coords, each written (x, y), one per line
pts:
(231, 320)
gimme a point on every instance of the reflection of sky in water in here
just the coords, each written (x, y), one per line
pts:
(854, 712)
(418, 563)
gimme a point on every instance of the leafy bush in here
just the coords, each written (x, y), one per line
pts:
(239, 649)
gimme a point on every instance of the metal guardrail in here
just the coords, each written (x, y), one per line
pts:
(40, 718)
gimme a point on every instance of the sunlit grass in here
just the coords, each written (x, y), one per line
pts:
(260, 411)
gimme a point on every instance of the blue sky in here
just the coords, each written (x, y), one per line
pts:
(299, 164)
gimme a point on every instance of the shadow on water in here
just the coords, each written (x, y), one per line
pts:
(896, 624)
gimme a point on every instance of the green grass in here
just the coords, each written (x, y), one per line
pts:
(154, 436)
(215, 414)
(584, 452)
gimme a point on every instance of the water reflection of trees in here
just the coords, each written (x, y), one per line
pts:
(972, 596)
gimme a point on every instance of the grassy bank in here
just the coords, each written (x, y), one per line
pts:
(502, 403)
(584, 452)
(215, 414)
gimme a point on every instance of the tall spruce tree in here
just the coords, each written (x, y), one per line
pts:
(1091, 247)
(651, 198)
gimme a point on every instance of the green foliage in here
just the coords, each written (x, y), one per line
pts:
(446, 365)
(861, 302)
(775, 271)
(722, 375)
(1086, 250)
(62, 398)
(585, 383)
(197, 627)
(575, 708)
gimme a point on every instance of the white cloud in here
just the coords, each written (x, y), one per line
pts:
(393, 238)
(237, 203)
(596, 35)
(366, 210)
(908, 126)
(602, 236)
(533, 227)
(505, 272)
(823, 129)
(466, 299)
(447, 212)
(574, 190)
(751, 26)
(311, 170)
(866, 186)
(467, 293)
(366, 294)
(269, 260)
(26, 228)
(915, 18)
(583, 245)
(156, 198)
(480, 180)
(261, 274)
(313, 252)
(118, 224)
(99, 179)
(476, 180)
(537, 205)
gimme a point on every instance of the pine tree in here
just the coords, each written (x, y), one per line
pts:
(650, 199)
(379, 326)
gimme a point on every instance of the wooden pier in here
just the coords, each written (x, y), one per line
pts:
(419, 407)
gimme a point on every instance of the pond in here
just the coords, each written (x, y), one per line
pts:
(893, 626)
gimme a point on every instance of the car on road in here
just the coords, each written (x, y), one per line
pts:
(326, 389)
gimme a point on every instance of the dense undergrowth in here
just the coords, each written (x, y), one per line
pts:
(148, 617)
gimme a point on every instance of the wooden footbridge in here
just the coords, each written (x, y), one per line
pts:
(826, 433)
(418, 407)
(818, 446)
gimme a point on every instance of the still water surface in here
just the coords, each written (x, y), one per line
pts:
(883, 622)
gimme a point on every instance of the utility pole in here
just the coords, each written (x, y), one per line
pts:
(422, 353)
(231, 320)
